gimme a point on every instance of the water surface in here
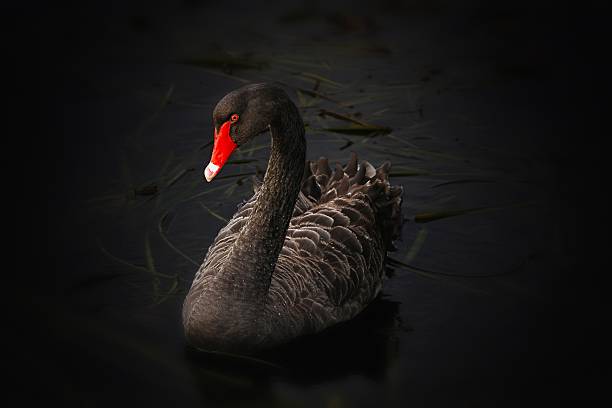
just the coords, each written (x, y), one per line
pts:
(460, 109)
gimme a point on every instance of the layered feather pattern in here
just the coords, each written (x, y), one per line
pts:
(332, 262)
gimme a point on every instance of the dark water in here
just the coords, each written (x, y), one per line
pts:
(472, 96)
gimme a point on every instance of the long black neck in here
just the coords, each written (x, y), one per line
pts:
(247, 271)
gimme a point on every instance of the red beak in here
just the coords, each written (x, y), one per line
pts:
(222, 149)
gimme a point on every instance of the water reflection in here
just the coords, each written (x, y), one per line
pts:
(365, 346)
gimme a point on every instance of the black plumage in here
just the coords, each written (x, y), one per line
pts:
(306, 251)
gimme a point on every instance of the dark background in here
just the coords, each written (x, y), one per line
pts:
(90, 349)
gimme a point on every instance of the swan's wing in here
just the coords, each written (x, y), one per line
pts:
(345, 182)
(332, 263)
(330, 268)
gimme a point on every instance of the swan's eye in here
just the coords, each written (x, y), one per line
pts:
(234, 117)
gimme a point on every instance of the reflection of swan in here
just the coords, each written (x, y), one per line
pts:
(376, 329)
(305, 252)
(227, 379)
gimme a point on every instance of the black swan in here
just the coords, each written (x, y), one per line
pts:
(307, 251)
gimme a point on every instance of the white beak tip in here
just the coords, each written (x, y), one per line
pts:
(211, 171)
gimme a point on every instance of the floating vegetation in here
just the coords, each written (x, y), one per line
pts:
(205, 145)
(213, 213)
(416, 245)
(147, 189)
(109, 200)
(464, 181)
(431, 153)
(126, 176)
(418, 271)
(162, 226)
(300, 63)
(348, 144)
(409, 173)
(411, 153)
(150, 266)
(431, 274)
(357, 127)
(119, 260)
(229, 176)
(359, 130)
(167, 163)
(206, 192)
(178, 176)
(166, 221)
(315, 94)
(226, 62)
(241, 357)
(324, 112)
(440, 276)
(230, 190)
(173, 290)
(318, 79)
(165, 100)
(438, 215)
(380, 112)
(153, 188)
(304, 102)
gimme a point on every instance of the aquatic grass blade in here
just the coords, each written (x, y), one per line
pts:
(213, 213)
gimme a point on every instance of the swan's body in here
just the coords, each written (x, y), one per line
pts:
(305, 252)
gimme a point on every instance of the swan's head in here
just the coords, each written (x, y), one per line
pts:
(239, 117)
